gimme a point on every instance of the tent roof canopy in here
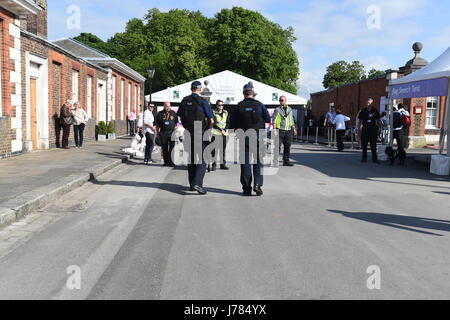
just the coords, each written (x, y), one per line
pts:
(439, 68)
(430, 81)
(227, 86)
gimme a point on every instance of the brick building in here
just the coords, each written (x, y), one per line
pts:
(38, 76)
(425, 126)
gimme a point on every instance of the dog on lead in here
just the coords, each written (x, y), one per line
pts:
(396, 154)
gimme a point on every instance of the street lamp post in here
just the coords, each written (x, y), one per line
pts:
(151, 74)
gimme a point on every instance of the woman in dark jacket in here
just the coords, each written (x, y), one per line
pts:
(66, 122)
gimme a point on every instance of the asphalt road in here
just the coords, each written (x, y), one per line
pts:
(138, 233)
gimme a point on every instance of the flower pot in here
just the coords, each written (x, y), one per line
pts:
(101, 137)
(111, 136)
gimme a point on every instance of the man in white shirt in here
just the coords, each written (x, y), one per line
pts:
(148, 129)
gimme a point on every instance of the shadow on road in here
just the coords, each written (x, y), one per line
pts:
(348, 166)
(399, 222)
(169, 187)
(444, 193)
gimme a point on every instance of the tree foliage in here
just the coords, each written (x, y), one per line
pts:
(342, 73)
(184, 45)
(373, 73)
(245, 42)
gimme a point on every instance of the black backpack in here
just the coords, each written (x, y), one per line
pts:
(248, 116)
(397, 120)
(191, 113)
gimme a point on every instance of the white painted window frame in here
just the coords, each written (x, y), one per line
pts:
(89, 80)
(75, 85)
(435, 101)
(122, 95)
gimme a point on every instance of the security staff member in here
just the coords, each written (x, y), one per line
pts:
(166, 124)
(283, 122)
(250, 114)
(195, 109)
(369, 117)
(221, 120)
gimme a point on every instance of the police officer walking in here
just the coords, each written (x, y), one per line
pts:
(166, 124)
(250, 114)
(369, 117)
(195, 113)
(283, 122)
(220, 132)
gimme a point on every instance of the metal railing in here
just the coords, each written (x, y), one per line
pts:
(326, 136)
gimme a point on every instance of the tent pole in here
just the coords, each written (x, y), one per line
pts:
(391, 121)
(447, 119)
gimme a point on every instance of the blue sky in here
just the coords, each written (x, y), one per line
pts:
(327, 30)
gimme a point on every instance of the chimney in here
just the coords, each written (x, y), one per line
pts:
(37, 24)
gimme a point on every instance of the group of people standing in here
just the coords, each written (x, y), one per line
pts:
(369, 125)
(250, 115)
(72, 114)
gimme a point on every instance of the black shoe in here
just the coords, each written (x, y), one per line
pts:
(208, 168)
(363, 160)
(200, 190)
(214, 167)
(258, 191)
(247, 193)
(376, 161)
(288, 164)
(224, 167)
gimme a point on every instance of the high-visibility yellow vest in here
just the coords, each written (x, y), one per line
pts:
(221, 122)
(284, 122)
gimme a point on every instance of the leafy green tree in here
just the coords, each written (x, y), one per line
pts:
(173, 42)
(373, 73)
(342, 73)
(183, 45)
(245, 42)
(94, 42)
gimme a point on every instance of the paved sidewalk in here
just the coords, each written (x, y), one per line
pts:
(29, 181)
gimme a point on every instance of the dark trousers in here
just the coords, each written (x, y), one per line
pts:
(286, 142)
(222, 149)
(131, 124)
(399, 136)
(369, 135)
(66, 134)
(167, 146)
(340, 139)
(197, 165)
(247, 169)
(149, 145)
(79, 134)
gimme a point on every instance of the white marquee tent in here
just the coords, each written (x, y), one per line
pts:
(432, 80)
(227, 86)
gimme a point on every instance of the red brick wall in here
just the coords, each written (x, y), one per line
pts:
(5, 19)
(6, 134)
(350, 99)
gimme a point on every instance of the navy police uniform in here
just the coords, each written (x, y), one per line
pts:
(194, 108)
(369, 118)
(250, 114)
(167, 122)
